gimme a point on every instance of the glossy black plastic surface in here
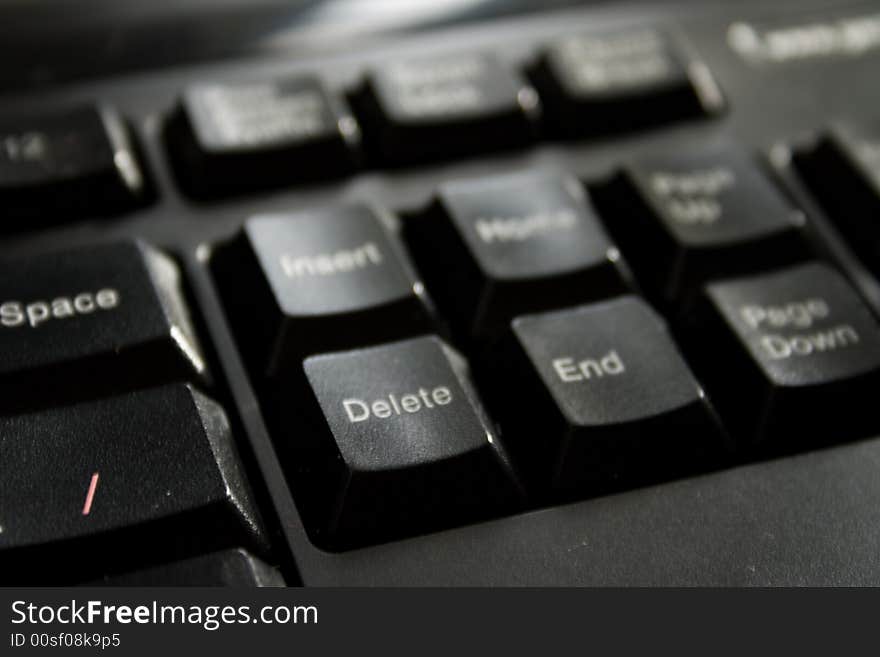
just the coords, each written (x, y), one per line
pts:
(811, 518)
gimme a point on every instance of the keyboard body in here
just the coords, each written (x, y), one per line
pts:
(809, 518)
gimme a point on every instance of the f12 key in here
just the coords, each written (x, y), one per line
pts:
(72, 161)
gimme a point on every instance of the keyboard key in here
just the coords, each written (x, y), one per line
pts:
(105, 486)
(494, 248)
(598, 83)
(232, 138)
(316, 281)
(844, 172)
(92, 320)
(598, 397)
(791, 356)
(688, 217)
(71, 162)
(235, 568)
(426, 109)
(399, 444)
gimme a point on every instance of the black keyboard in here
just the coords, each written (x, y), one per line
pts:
(579, 296)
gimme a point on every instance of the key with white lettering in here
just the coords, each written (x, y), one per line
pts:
(231, 138)
(71, 161)
(687, 217)
(399, 444)
(321, 280)
(451, 106)
(122, 483)
(494, 248)
(843, 170)
(597, 83)
(790, 356)
(83, 322)
(598, 397)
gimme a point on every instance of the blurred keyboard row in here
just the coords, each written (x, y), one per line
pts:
(233, 137)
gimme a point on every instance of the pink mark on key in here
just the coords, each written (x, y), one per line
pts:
(90, 496)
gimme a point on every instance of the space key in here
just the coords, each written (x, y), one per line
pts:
(813, 519)
(91, 321)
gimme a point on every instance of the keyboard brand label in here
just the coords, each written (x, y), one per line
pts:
(571, 370)
(328, 264)
(848, 37)
(771, 321)
(35, 313)
(519, 229)
(692, 198)
(361, 410)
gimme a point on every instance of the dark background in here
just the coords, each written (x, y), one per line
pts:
(46, 41)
